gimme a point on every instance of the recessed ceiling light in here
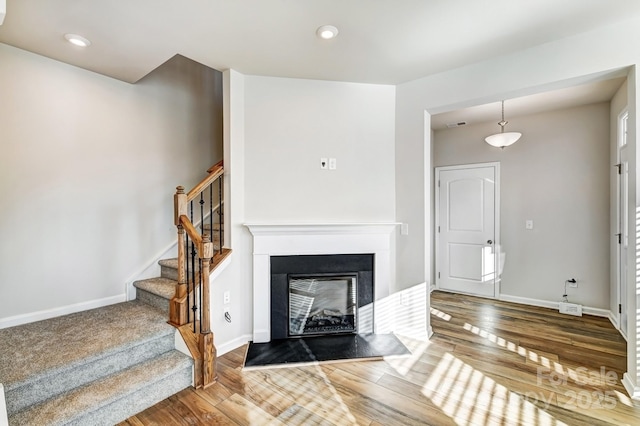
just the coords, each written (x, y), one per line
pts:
(327, 32)
(77, 40)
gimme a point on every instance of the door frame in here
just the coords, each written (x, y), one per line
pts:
(622, 224)
(496, 218)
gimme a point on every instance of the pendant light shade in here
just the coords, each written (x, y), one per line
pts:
(503, 139)
(500, 140)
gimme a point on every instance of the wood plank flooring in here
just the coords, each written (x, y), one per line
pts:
(488, 363)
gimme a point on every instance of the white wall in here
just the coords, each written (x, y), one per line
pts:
(291, 124)
(276, 131)
(557, 175)
(557, 64)
(87, 172)
(237, 277)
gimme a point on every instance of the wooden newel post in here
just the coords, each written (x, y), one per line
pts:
(206, 253)
(178, 314)
(207, 348)
(180, 205)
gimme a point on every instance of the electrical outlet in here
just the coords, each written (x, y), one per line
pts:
(332, 164)
(573, 283)
(324, 164)
(226, 298)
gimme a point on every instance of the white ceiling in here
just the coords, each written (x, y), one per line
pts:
(380, 41)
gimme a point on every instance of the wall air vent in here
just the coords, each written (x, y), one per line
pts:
(458, 124)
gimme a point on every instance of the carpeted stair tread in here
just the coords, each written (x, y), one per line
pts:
(38, 350)
(114, 398)
(163, 287)
(169, 263)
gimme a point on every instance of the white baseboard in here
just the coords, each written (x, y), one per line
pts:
(225, 347)
(62, 310)
(613, 318)
(4, 419)
(552, 305)
(632, 389)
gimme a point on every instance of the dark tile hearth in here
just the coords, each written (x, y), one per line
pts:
(283, 352)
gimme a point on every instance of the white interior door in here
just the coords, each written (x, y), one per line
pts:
(466, 229)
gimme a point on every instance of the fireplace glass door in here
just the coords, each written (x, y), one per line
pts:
(322, 304)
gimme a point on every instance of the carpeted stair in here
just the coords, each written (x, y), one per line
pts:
(96, 367)
(159, 291)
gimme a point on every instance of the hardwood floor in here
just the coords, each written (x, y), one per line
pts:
(488, 363)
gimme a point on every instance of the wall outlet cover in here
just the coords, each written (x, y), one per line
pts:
(570, 309)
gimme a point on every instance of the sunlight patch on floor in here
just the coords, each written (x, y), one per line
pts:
(440, 314)
(469, 397)
(404, 364)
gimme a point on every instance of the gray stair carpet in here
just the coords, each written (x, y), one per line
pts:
(93, 367)
(156, 292)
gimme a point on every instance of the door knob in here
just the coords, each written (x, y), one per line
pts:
(489, 241)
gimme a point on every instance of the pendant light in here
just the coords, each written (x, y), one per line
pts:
(502, 139)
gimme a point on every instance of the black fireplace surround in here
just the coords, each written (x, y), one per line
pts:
(283, 266)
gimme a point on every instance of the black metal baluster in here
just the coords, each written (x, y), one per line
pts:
(194, 308)
(211, 211)
(192, 297)
(220, 186)
(201, 202)
(186, 277)
(200, 293)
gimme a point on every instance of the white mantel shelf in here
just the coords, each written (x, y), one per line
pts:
(321, 228)
(281, 239)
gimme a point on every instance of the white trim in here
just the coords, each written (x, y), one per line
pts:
(226, 347)
(630, 386)
(278, 239)
(613, 319)
(4, 418)
(62, 310)
(605, 313)
(280, 229)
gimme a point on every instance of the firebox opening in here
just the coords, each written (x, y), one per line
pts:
(322, 304)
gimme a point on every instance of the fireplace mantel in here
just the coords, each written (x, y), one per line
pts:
(277, 239)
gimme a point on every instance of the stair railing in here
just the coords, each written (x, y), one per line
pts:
(199, 220)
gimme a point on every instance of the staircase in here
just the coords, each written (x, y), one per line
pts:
(102, 366)
(96, 367)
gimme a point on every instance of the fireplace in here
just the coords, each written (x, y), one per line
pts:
(322, 304)
(274, 244)
(314, 295)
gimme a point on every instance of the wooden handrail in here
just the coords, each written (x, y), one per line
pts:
(179, 311)
(191, 231)
(218, 165)
(216, 172)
